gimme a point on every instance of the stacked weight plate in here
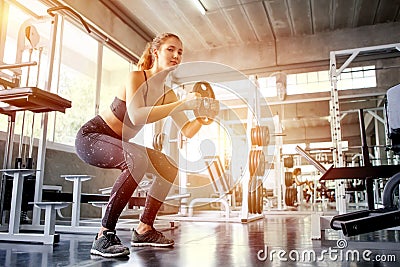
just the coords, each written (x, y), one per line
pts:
(259, 139)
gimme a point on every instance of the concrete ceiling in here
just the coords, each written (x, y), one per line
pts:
(250, 30)
(239, 22)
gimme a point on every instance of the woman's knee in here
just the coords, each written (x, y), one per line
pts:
(136, 163)
(170, 171)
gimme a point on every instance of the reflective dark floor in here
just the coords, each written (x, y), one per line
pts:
(277, 240)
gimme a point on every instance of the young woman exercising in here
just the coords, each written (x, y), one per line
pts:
(104, 142)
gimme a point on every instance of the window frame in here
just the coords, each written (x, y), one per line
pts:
(121, 52)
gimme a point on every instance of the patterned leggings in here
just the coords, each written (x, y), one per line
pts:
(97, 145)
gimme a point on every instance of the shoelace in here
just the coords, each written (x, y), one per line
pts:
(159, 236)
(112, 239)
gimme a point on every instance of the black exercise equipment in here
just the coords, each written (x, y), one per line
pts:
(360, 222)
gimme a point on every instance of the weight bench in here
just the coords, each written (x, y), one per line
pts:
(14, 234)
(360, 222)
(50, 219)
(98, 200)
(219, 183)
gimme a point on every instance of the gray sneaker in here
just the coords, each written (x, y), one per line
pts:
(109, 245)
(152, 238)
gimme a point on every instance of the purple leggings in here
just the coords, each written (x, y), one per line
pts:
(98, 145)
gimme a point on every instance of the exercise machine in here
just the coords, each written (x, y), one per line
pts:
(360, 222)
(21, 99)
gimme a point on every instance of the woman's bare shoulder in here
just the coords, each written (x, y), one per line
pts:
(136, 74)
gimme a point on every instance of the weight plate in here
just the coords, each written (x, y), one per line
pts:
(260, 196)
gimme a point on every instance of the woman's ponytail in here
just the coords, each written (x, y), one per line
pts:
(146, 60)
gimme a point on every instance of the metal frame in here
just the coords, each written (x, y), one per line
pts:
(44, 122)
(229, 215)
(336, 131)
(319, 220)
(48, 236)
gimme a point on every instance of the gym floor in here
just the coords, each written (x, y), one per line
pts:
(286, 238)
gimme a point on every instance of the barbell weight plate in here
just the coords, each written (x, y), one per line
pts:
(267, 136)
(260, 196)
(253, 141)
(255, 135)
(155, 141)
(252, 170)
(292, 199)
(288, 162)
(257, 162)
(162, 139)
(204, 89)
(264, 136)
(250, 196)
(249, 204)
(203, 119)
(288, 196)
(289, 179)
(254, 195)
(251, 164)
(254, 160)
(261, 164)
(294, 195)
(158, 142)
(259, 141)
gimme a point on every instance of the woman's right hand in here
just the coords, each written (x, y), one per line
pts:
(192, 101)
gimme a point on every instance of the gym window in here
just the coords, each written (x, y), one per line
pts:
(318, 81)
(76, 76)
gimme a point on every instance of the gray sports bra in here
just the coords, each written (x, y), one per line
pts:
(118, 106)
